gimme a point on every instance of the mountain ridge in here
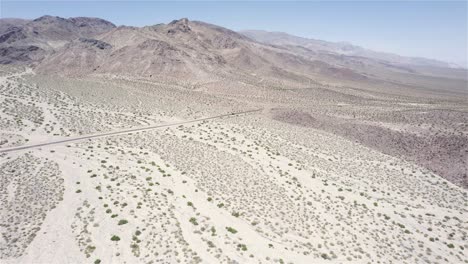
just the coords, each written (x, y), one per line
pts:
(192, 50)
(340, 47)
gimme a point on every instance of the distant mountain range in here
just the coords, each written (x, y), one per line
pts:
(343, 48)
(194, 50)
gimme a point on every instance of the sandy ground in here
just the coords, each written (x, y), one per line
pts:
(246, 189)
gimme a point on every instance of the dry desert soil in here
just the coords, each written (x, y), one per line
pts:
(189, 143)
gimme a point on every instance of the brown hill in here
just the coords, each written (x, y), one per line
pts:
(193, 51)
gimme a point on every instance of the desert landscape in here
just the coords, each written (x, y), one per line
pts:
(187, 142)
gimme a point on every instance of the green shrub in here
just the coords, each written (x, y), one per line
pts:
(193, 220)
(243, 247)
(230, 229)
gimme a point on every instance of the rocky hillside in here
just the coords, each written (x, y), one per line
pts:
(189, 49)
(193, 51)
(30, 41)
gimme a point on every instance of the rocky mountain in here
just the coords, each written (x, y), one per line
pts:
(30, 41)
(182, 48)
(193, 51)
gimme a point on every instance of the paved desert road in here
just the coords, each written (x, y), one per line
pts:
(125, 131)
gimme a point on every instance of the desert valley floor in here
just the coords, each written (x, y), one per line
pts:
(316, 174)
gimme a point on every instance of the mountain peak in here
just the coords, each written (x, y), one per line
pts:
(48, 18)
(181, 25)
(182, 21)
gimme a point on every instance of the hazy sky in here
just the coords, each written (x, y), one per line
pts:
(414, 28)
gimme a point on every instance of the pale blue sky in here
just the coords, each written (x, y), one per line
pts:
(414, 28)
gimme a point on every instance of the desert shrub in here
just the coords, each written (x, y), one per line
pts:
(122, 222)
(193, 220)
(243, 247)
(230, 229)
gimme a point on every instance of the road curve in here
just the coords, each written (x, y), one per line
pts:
(125, 131)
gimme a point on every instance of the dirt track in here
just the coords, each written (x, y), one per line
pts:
(126, 131)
